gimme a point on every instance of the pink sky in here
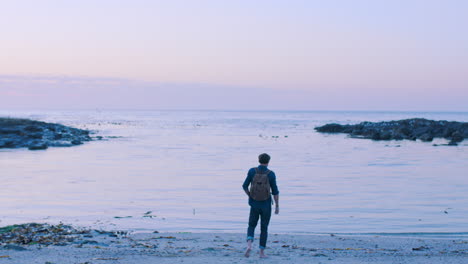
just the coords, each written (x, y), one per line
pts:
(301, 55)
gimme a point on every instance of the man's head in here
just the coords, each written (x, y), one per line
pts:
(264, 159)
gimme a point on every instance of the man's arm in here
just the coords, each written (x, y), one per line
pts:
(276, 197)
(247, 181)
(274, 191)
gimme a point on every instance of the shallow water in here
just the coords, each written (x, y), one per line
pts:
(187, 167)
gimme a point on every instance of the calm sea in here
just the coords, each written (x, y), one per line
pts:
(183, 171)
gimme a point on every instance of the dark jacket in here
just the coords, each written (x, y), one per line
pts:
(274, 187)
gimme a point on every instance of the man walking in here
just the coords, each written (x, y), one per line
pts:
(261, 181)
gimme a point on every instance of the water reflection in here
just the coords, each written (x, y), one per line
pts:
(175, 163)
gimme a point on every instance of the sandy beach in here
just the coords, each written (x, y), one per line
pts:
(120, 247)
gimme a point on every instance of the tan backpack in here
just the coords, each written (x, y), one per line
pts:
(260, 186)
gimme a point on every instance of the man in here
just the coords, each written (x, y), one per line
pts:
(261, 180)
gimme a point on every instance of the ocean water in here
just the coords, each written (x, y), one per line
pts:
(183, 171)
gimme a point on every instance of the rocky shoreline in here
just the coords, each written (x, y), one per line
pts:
(409, 129)
(50, 244)
(37, 135)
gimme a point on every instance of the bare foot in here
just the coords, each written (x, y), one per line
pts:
(247, 252)
(262, 254)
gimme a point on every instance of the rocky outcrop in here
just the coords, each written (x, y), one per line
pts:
(411, 129)
(36, 135)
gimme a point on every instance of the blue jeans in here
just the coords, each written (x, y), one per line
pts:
(255, 214)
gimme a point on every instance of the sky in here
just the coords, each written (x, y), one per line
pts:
(399, 55)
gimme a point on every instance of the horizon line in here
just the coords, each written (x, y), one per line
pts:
(233, 110)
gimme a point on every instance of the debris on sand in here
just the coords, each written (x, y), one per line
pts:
(42, 234)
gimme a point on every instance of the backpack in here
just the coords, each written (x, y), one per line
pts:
(260, 186)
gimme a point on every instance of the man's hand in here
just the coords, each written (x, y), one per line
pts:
(276, 198)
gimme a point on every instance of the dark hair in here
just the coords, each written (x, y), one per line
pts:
(264, 158)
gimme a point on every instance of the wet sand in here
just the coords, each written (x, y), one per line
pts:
(111, 247)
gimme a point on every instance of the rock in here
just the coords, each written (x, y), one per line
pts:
(403, 131)
(465, 133)
(376, 136)
(66, 135)
(426, 137)
(419, 131)
(38, 146)
(36, 135)
(40, 234)
(385, 135)
(330, 128)
(91, 242)
(420, 248)
(10, 131)
(7, 143)
(457, 137)
(61, 143)
(33, 129)
(410, 129)
(397, 136)
(448, 132)
(14, 247)
(76, 142)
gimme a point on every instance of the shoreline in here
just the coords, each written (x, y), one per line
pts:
(97, 246)
(272, 230)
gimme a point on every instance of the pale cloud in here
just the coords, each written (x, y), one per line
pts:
(362, 54)
(68, 92)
